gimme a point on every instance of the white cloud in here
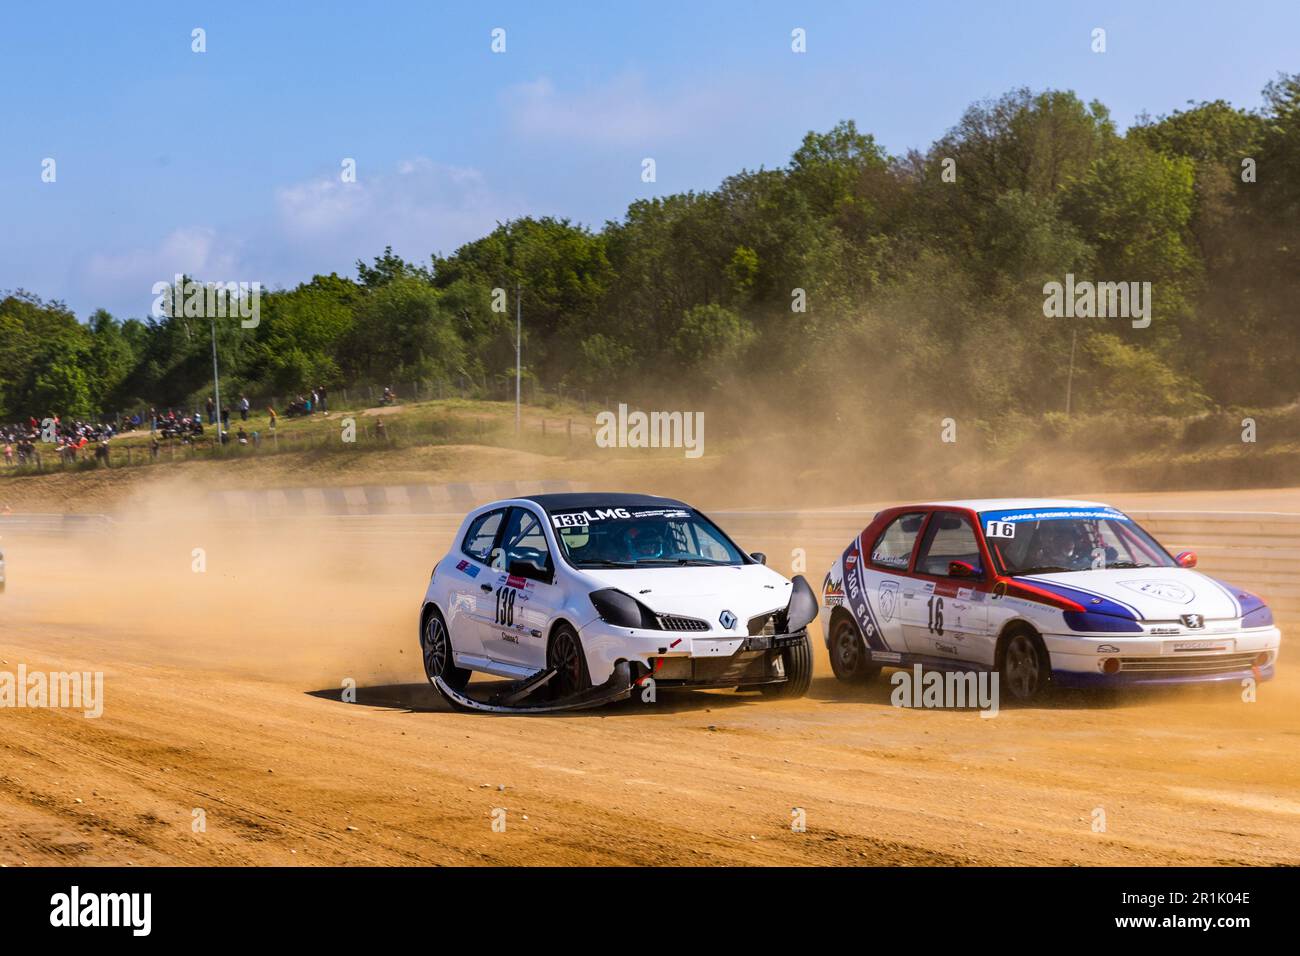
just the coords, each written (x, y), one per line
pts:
(317, 225)
(419, 208)
(194, 250)
(129, 276)
(623, 113)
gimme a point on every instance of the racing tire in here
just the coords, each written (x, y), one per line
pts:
(848, 651)
(1024, 669)
(798, 662)
(436, 653)
(564, 654)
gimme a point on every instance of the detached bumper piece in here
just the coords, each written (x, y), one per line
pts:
(775, 642)
(517, 697)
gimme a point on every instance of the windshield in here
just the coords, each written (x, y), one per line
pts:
(1055, 540)
(641, 537)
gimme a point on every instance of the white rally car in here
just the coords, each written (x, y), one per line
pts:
(1071, 593)
(579, 597)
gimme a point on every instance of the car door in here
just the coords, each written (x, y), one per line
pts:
(471, 595)
(946, 614)
(884, 579)
(525, 597)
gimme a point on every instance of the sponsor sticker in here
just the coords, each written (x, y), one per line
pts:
(1179, 646)
(580, 519)
(1171, 591)
(468, 569)
(1049, 514)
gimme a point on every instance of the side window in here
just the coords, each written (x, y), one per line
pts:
(482, 534)
(893, 549)
(525, 541)
(950, 537)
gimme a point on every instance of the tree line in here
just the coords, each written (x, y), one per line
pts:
(849, 281)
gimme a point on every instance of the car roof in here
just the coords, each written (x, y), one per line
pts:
(576, 500)
(1006, 504)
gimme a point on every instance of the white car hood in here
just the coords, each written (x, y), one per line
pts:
(1156, 594)
(744, 590)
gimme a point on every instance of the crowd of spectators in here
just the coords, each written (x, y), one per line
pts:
(27, 442)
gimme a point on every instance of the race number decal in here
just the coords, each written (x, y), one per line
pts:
(856, 592)
(999, 529)
(506, 606)
(935, 622)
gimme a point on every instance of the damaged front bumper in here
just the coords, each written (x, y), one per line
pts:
(528, 696)
(756, 660)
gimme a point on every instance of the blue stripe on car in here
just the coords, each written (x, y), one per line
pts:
(1093, 602)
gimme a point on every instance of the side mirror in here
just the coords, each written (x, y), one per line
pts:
(962, 569)
(526, 569)
(759, 556)
(1186, 559)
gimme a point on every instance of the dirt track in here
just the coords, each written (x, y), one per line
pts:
(222, 694)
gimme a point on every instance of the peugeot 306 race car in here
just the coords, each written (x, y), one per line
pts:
(1070, 593)
(579, 597)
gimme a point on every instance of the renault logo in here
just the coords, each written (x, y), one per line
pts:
(727, 620)
(1192, 621)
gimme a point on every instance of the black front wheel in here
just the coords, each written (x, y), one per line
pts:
(1024, 669)
(565, 656)
(797, 662)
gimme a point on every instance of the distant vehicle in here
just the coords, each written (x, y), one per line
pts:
(1071, 593)
(579, 597)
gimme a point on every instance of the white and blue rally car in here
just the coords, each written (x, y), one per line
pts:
(1070, 593)
(577, 598)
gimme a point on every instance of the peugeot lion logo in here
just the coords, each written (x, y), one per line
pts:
(727, 620)
(1193, 620)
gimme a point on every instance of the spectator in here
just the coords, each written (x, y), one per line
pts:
(212, 411)
(243, 407)
(320, 392)
(271, 413)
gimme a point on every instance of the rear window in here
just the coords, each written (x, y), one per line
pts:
(482, 534)
(893, 549)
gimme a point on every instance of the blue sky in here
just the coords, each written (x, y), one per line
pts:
(226, 164)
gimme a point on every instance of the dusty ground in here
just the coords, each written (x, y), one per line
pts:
(223, 695)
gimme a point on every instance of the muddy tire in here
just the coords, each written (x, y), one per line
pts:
(565, 655)
(435, 650)
(1024, 670)
(848, 652)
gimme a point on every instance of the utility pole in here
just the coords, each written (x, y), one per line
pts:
(216, 380)
(1069, 378)
(519, 345)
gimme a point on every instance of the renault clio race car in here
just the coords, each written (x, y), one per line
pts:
(1071, 593)
(579, 597)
